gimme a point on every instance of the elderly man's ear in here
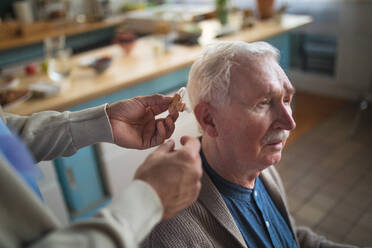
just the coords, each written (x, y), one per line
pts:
(203, 113)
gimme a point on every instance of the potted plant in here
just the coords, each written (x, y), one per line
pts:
(265, 8)
(222, 11)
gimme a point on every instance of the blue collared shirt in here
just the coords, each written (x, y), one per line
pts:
(255, 214)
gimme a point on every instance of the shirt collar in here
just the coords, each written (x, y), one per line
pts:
(226, 187)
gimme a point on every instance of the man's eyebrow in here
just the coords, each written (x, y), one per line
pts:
(269, 93)
(265, 94)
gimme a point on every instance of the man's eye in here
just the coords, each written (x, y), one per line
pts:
(265, 102)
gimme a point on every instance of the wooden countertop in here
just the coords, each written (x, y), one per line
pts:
(140, 66)
(53, 30)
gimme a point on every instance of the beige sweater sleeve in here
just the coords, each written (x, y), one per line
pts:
(50, 134)
(308, 239)
(124, 223)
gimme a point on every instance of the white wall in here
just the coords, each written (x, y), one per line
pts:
(51, 192)
(351, 22)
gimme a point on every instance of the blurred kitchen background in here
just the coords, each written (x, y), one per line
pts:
(69, 55)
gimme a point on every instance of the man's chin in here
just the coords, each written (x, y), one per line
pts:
(273, 159)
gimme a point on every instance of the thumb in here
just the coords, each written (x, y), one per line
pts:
(148, 116)
(166, 147)
(191, 144)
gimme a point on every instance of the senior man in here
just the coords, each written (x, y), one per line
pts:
(241, 99)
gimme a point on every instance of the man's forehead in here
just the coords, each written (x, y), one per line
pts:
(260, 84)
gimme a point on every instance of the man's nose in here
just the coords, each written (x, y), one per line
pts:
(285, 119)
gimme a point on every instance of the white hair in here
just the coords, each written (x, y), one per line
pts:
(209, 77)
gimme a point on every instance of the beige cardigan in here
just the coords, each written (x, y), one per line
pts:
(26, 222)
(208, 222)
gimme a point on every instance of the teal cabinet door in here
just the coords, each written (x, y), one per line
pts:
(282, 43)
(78, 43)
(81, 181)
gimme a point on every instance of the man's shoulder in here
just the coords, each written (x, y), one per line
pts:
(183, 230)
(186, 218)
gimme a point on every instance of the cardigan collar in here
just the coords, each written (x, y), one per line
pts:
(212, 200)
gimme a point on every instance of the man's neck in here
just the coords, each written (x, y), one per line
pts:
(225, 165)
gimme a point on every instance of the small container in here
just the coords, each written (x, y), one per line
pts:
(8, 82)
(23, 12)
(265, 8)
(44, 89)
(99, 65)
(126, 41)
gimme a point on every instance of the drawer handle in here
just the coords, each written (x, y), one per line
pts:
(71, 178)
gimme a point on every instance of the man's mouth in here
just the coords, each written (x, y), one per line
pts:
(275, 142)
